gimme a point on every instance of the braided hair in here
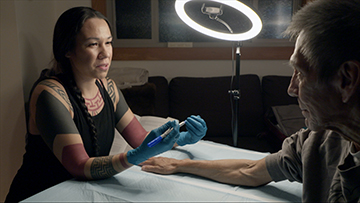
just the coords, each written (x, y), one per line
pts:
(66, 29)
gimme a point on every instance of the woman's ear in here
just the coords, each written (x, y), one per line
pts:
(349, 79)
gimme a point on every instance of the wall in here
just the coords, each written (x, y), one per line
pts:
(26, 37)
(171, 69)
(12, 123)
(26, 40)
(35, 37)
(35, 21)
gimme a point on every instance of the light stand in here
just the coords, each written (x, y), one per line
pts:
(236, 94)
(214, 13)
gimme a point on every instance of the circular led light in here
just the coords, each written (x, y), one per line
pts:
(248, 12)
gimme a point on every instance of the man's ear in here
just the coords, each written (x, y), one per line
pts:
(349, 79)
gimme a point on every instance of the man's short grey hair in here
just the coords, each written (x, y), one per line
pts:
(331, 31)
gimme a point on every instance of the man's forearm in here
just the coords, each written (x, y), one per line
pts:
(231, 171)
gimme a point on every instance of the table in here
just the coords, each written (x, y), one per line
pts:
(134, 185)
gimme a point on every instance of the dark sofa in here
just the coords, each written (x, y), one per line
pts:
(209, 98)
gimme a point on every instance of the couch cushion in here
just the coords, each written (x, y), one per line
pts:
(161, 95)
(150, 99)
(141, 99)
(209, 98)
(274, 91)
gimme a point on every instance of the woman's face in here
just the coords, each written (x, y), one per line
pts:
(92, 55)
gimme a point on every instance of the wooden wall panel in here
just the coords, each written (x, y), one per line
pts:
(218, 53)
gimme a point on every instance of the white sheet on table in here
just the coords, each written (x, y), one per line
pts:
(134, 185)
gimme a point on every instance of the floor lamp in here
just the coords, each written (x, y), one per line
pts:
(214, 13)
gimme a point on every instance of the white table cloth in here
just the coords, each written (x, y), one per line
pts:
(134, 185)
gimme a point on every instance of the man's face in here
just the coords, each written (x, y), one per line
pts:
(316, 100)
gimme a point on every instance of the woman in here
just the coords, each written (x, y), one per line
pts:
(74, 109)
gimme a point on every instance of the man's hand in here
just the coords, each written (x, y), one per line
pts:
(161, 165)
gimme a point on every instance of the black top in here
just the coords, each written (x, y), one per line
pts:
(41, 169)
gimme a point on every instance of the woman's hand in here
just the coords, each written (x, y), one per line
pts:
(143, 152)
(196, 127)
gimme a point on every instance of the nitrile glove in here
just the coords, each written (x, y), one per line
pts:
(196, 127)
(143, 152)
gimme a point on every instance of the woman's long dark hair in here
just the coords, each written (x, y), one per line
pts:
(66, 29)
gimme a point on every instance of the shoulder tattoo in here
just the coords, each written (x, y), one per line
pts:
(58, 90)
(111, 89)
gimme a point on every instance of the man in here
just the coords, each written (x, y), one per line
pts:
(326, 81)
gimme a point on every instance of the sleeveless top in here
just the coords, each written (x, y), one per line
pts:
(41, 169)
(104, 122)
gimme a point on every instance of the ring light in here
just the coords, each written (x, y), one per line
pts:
(213, 13)
(248, 12)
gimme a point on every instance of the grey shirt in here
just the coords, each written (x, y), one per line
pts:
(345, 186)
(310, 158)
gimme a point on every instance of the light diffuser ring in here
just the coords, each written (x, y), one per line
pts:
(248, 12)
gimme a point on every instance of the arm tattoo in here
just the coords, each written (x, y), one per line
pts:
(58, 90)
(102, 167)
(52, 118)
(121, 106)
(111, 90)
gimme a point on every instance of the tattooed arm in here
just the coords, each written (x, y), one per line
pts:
(126, 122)
(51, 116)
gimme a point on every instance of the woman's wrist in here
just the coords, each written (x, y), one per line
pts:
(122, 162)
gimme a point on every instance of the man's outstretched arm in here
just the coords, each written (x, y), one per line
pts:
(232, 171)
